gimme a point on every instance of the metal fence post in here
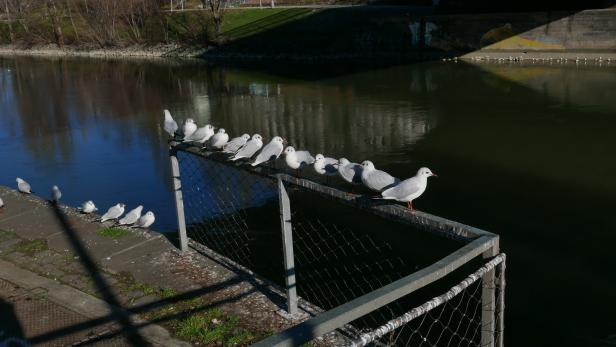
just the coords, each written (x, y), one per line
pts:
(500, 342)
(179, 201)
(287, 247)
(488, 301)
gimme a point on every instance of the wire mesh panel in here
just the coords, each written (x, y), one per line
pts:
(342, 253)
(233, 212)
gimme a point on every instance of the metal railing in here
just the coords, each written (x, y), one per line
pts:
(322, 246)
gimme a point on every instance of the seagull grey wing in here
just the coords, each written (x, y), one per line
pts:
(351, 173)
(381, 179)
(270, 151)
(304, 157)
(402, 190)
(248, 150)
(234, 145)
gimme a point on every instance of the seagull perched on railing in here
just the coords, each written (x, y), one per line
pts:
(201, 134)
(374, 179)
(249, 149)
(350, 172)
(271, 151)
(235, 144)
(219, 139)
(325, 165)
(297, 159)
(189, 128)
(409, 189)
(170, 125)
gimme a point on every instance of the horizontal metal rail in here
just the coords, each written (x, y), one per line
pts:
(356, 308)
(422, 220)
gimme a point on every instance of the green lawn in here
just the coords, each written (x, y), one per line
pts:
(245, 22)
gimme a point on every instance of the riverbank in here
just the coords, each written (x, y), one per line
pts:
(137, 51)
(117, 284)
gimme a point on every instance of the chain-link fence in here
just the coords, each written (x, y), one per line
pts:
(337, 249)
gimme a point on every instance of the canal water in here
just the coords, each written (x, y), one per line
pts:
(522, 150)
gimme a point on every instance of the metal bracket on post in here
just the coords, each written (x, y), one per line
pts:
(488, 301)
(287, 248)
(179, 201)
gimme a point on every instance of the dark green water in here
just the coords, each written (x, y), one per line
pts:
(523, 151)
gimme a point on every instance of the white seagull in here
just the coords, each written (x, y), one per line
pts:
(325, 166)
(350, 172)
(170, 125)
(219, 139)
(202, 134)
(189, 128)
(235, 144)
(271, 151)
(146, 220)
(23, 186)
(88, 207)
(250, 148)
(132, 216)
(113, 212)
(409, 189)
(297, 159)
(374, 179)
(1, 204)
(56, 194)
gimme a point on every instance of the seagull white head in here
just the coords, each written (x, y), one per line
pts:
(278, 139)
(289, 149)
(220, 131)
(319, 157)
(343, 161)
(211, 127)
(121, 205)
(425, 172)
(149, 213)
(246, 137)
(19, 180)
(367, 164)
(190, 120)
(168, 115)
(257, 137)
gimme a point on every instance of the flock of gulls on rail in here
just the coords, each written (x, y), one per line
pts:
(133, 218)
(251, 149)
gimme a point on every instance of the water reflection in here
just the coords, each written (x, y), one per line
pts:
(523, 151)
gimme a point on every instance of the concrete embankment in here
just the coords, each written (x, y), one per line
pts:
(111, 285)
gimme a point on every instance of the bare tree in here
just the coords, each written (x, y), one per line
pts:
(9, 21)
(55, 15)
(217, 10)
